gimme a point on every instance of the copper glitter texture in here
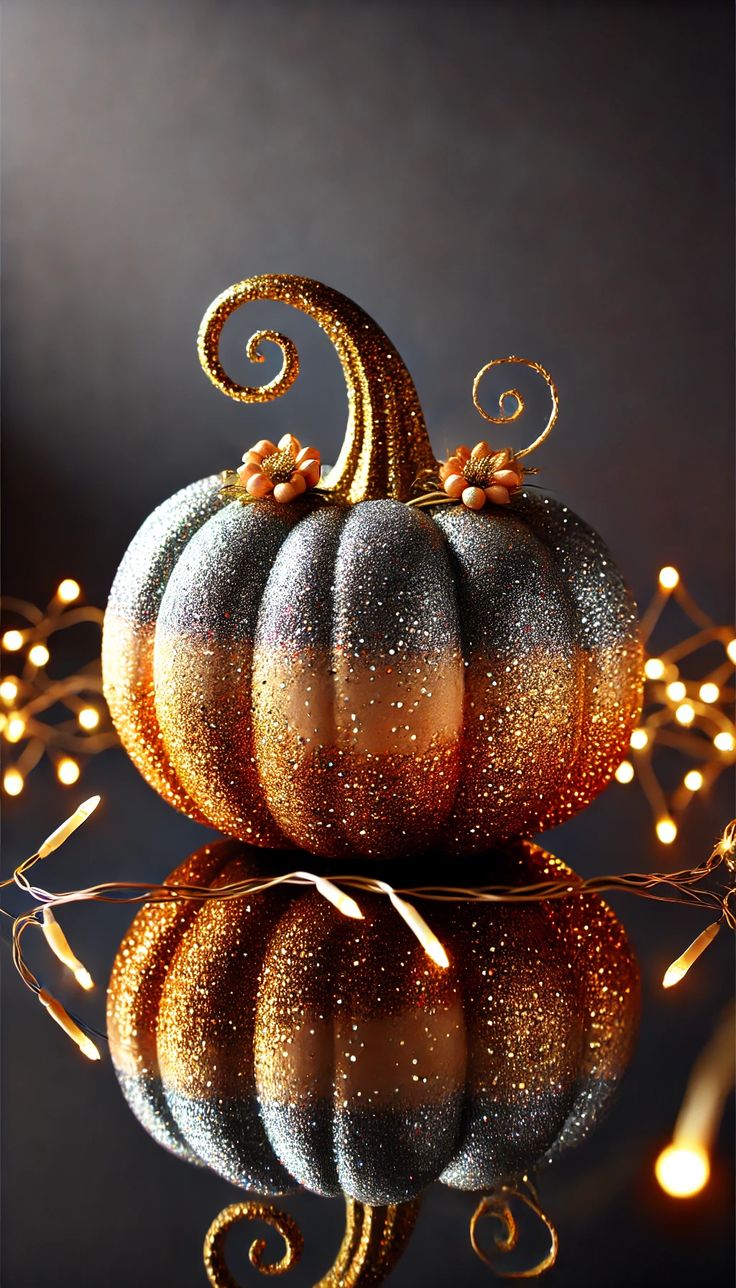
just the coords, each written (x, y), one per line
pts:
(353, 674)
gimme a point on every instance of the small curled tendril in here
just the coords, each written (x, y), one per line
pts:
(507, 416)
(215, 1264)
(497, 1205)
(208, 347)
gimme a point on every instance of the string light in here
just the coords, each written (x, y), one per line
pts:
(13, 782)
(666, 830)
(669, 577)
(68, 590)
(694, 886)
(15, 728)
(9, 689)
(59, 945)
(625, 772)
(680, 967)
(683, 1168)
(38, 655)
(70, 1027)
(30, 697)
(12, 641)
(654, 668)
(693, 780)
(676, 691)
(67, 771)
(693, 717)
(64, 831)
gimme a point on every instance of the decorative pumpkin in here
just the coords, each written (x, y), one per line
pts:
(283, 1045)
(348, 673)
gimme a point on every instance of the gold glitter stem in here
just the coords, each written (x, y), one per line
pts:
(386, 443)
(374, 1240)
(215, 1264)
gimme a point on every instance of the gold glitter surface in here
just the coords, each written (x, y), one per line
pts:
(295, 1046)
(369, 678)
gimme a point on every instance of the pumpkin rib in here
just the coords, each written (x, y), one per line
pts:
(521, 679)
(203, 659)
(134, 997)
(553, 523)
(130, 626)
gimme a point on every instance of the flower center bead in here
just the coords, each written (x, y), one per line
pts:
(280, 465)
(478, 470)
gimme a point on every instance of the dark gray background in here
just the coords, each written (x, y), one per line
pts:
(550, 179)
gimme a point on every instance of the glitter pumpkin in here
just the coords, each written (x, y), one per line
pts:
(350, 674)
(285, 1045)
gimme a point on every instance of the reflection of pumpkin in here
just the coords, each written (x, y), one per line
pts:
(369, 678)
(283, 1044)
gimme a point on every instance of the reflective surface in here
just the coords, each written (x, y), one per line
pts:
(284, 1044)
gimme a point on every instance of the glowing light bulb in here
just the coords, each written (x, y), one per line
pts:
(67, 771)
(676, 691)
(12, 641)
(685, 714)
(15, 728)
(13, 782)
(731, 650)
(639, 739)
(709, 692)
(654, 668)
(69, 590)
(666, 830)
(60, 947)
(625, 772)
(9, 689)
(70, 1027)
(668, 577)
(724, 741)
(38, 655)
(680, 967)
(693, 780)
(89, 718)
(682, 1170)
(65, 829)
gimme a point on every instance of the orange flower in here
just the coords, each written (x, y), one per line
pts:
(481, 475)
(285, 469)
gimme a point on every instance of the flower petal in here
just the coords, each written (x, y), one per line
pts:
(497, 494)
(474, 498)
(507, 478)
(264, 447)
(259, 485)
(284, 492)
(455, 485)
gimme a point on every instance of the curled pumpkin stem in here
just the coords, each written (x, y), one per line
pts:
(507, 416)
(374, 1240)
(497, 1205)
(215, 1264)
